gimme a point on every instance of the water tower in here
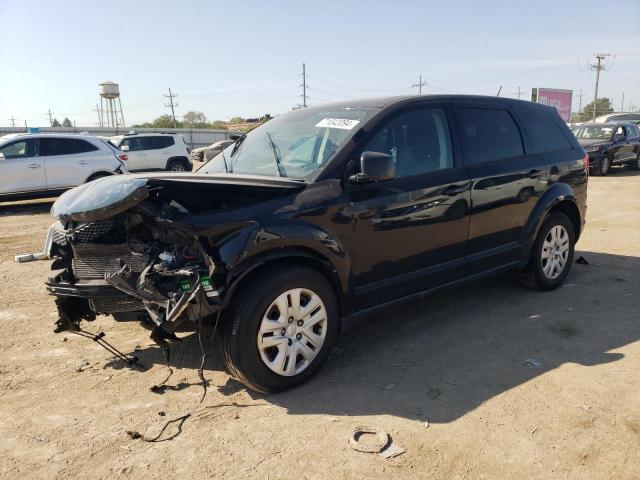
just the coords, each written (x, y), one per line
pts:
(110, 113)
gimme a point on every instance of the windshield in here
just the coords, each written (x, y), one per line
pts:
(589, 132)
(293, 145)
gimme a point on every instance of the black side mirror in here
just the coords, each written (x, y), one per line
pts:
(234, 136)
(374, 167)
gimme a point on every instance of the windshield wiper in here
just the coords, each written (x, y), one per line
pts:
(224, 159)
(238, 142)
(275, 156)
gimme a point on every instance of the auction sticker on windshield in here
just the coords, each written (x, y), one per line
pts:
(342, 123)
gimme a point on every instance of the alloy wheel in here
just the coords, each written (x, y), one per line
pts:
(292, 331)
(177, 167)
(605, 165)
(555, 251)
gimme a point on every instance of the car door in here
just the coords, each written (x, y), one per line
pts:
(68, 161)
(506, 183)
(629, 148)
(410, 232)
(136, 148)
(164, 148)
(620, 145)
(22, 167)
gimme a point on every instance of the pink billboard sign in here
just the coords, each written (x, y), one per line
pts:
(560, 99)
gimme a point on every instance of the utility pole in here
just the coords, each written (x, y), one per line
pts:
(597, 67)
(622, 103)
(171, 96)
(519, 93)
(580, 101)
(13, 121)
(99, 115)
(420, 84)
(304, 86)
(50, 113)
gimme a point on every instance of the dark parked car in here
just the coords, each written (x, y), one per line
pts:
(610, 144)
(321, 216)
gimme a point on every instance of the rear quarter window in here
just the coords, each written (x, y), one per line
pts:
(543, 130)
(488, 135)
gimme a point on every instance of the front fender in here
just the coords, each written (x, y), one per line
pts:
(248, 248)
(556, 193)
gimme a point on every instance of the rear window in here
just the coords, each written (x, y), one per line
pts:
(545, 133)
(65, 146)
(488, 135)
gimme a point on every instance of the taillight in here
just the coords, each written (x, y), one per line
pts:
(123, 157)
(586, 163)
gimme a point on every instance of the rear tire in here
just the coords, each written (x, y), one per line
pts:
(177, 166)
(635, 165)
(552, 254)
(259, 306)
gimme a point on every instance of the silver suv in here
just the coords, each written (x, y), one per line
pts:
(37, 165)
(155, 151)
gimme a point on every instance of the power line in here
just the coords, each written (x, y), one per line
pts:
(171, 96)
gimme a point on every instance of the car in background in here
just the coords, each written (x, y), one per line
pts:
(609, 144)
(155, 151)
(204, 154)
(40, 165)
(619, 117)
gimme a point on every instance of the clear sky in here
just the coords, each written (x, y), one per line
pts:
(244, 57)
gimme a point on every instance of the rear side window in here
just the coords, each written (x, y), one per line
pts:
(541, 126)
(488, 135)
(156, 143)
(65, 146)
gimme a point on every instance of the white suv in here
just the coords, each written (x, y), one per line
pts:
(155, 151)
(37, 165)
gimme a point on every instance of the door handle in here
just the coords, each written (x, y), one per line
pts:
(453, 190)
(34, 165)
(83, 162)
(535, 173)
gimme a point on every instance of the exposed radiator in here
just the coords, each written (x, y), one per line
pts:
(92, 261)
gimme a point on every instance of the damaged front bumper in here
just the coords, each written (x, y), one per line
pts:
(131, 268)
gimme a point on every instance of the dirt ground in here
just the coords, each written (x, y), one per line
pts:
(447, 377)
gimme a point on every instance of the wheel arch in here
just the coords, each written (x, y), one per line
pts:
(294, 255)
(98, 173)
(559, 197)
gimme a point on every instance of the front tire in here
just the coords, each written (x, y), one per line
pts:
(603, 168)
(552, 254)
(280, 328)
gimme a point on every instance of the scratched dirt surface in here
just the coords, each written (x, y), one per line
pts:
(447, 377)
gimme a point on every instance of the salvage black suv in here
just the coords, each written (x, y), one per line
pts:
(320, 216)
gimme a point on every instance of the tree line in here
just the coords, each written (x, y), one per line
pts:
(195, 119)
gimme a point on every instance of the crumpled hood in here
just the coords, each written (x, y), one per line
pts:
(109, 196)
